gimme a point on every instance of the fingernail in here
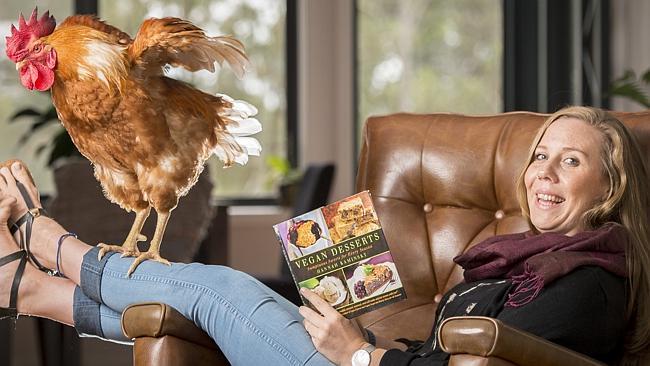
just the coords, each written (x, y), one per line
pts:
(15, 166)
(4, 170)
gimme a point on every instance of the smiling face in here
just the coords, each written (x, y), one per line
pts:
(566, 176)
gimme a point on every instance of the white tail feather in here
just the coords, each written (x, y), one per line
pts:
(250, 145)
(239, 107)
(245, 127)
(220, 152)
(234, 144)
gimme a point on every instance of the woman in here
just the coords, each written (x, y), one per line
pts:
(580, 189)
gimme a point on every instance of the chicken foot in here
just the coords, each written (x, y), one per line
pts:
(154, 247)
(130, 246)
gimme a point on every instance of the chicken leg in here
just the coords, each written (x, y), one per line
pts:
(154, 247)
(130, 246)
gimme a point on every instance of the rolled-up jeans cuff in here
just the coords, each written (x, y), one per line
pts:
(86, 314)
(91, 273)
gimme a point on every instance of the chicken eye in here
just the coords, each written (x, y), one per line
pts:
(37, 48)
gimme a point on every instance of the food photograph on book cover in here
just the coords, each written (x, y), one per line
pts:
(332, 288)
(304, 234)
(372, 277)
(351, 217)
(340, 252)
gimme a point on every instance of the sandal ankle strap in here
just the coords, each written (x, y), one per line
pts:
(26, 240)
(13, 294)
(28, 219)
(11, 257)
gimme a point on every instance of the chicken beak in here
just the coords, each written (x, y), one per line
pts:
(20, 64)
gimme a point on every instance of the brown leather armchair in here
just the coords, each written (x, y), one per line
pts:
(441, 183)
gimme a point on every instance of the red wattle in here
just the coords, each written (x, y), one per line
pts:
(35, 75)
(27, 74)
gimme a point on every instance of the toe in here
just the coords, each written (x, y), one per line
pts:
(25, 192)
(103, 249)
(9, 188)
(130, 253)
(8, 179)
(21, 174)
(135, 264)
(146, 256)
(6, 202)
(3, 183)
(162, 260)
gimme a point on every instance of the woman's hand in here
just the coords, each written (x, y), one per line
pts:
(336, 337)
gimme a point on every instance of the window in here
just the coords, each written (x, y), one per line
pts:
(429, 56)
(259, 24)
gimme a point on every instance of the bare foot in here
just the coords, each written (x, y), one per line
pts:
(8, 271)
(9, 187)
(7, 247)
(45, 231)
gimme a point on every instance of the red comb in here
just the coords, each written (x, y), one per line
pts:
(33, 28)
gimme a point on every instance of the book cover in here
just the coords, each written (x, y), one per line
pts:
(339, 251)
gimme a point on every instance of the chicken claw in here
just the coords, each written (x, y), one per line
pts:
(152, 255)
(128, 249)
(105, 248)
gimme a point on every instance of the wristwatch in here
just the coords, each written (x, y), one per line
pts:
(362, 357)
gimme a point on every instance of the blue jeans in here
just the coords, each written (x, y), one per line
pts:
(251, 323)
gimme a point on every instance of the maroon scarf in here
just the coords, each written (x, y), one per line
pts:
(533, 261)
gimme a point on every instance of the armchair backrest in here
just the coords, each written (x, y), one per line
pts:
(442, 183)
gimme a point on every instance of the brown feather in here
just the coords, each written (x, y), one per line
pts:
(148, 145)
(94, 22)
(180, 43)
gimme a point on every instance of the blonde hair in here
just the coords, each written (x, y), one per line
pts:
(626, 203)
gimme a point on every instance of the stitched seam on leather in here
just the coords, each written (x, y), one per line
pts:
(426, 226)
(394, 198)
(496, 335)
(426, 134)
(502, 133)
(441, 343)
(464, 207)
(289, 356)
(163, 310)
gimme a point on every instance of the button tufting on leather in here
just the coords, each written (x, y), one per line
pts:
(427, 207)
(499, 214)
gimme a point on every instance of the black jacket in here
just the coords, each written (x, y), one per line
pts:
(583, 311)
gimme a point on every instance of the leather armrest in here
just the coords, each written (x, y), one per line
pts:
(157, 320)
(482, 336)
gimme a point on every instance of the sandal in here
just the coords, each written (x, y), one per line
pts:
(12, 311)
(28, 219)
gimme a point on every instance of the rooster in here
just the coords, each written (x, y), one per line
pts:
(147, 135)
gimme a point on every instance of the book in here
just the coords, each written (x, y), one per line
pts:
(339, 251)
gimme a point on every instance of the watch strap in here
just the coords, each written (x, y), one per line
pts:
(371, 337)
